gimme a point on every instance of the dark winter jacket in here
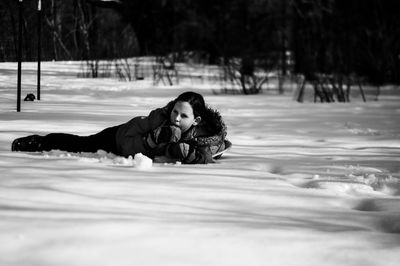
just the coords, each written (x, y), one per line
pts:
(205, 139)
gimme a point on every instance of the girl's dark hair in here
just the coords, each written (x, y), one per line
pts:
(196, 100)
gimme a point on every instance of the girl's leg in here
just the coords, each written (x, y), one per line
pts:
(104, 140)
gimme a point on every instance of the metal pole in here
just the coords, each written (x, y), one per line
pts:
(39, 47)
(19, 56)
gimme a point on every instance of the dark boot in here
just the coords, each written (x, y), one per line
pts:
(29, 143)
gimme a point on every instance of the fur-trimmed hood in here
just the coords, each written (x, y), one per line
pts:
(210, 132)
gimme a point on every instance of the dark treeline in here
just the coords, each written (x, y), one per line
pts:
(330, 37)
(71, 30)
(348, 37)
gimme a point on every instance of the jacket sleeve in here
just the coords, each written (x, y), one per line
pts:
(131, 138)
(199, 155)
(191, 155)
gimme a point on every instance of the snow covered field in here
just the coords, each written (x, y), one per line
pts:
(304, 184)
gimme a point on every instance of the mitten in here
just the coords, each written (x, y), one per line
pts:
(163, 134)
(179, 151)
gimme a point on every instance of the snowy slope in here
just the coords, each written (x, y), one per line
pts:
(304, 184)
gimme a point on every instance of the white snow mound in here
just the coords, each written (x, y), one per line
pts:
(142, 162)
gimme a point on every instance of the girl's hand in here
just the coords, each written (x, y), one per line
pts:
(164, 134)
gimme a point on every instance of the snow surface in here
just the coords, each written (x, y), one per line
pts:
(304, 184)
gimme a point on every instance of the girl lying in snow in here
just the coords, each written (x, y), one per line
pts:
(185, 130)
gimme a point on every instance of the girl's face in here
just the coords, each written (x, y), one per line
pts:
(182, 116)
